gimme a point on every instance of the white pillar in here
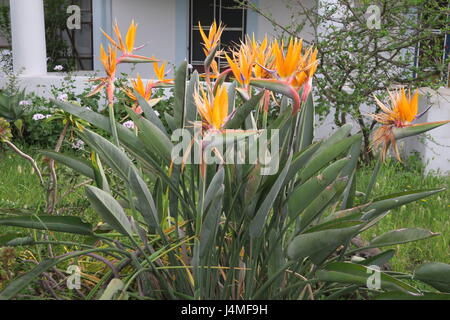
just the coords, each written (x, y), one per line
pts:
(28, 37)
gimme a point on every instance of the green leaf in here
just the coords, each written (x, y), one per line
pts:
(211, 223)
(109, 209)
(145, 200)
(149, 113)
(126, 136)
(180, 94)
(325, 154)
(108, 152)
(393, 201)
(243, 111)
(379, 259)
(214, 187)
(22, 282)
(306, 128)
(400, 236)
(258, 221)
(79, 165)
(154, 139)
(305, 193)
(435, 274)
(321, 202)
(416, 129)
(100, 177)
(344, 272)
(52, 223)
(279, 86)
(191, 108)
(319, 245)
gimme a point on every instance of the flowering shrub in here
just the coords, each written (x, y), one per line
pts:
(224, 202)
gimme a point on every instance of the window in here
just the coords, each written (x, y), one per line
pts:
(71, 48)
(81, 41)
(206, 11)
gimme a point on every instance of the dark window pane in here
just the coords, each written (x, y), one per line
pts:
(230, 39)
(231, 15)
(203, 11)
(197, 46)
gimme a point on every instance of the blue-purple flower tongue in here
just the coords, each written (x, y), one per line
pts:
(422, 113)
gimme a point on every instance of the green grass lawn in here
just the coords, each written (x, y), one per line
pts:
(20, 189)
(432, 213)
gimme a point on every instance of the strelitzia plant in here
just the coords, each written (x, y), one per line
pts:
(226, 230)
(110, 61)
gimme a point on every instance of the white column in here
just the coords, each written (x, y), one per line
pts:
(28, 37)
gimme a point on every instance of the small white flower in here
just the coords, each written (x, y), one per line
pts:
(47, 116)
(58, 68)
(63, 97)
(78, 144)
(129, 124)
(38, 116)
(89, 108)
(25, 103)
(157, 113)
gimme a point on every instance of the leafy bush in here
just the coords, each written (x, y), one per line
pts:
(225, 230)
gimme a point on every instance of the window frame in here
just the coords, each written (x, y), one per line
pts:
(193, 26)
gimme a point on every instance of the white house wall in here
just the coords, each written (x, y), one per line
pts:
(281, 11)
(157, 28)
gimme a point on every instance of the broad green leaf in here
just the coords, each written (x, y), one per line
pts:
(109, 209)
(340, 134)
(306, 127)
(321, 202)
(393, 201)
(379, 259)
(214, 186)
(279, 86)
(24, 281)
(52, 223)
(100, 176)
(153, 139)
(326, 154)
(145, 200)
(243, 111)
(191, 108)
(108, 152)
(416, 129)
(435, 274)
(79, 165)
(344, 272)
(179, 108)
(149, 113)
(126, 136)
(400, 236)
(14, 239)
(305, 193)
(319, 245)
(211, 223)
(257, 224)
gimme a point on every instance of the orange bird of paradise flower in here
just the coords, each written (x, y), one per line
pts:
(211, 44)
(127, 47)
(402, 111)
(109, 61)
(146, 90)
(212, 108)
